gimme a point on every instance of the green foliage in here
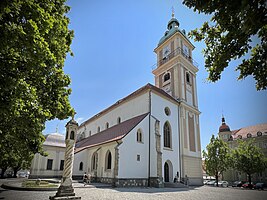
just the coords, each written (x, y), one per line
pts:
(229, 36)
(248, 158)
(33, 184)
(34, 43)
(217, 157)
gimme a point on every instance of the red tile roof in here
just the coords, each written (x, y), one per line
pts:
(111, 134)
(253, 130)
(135, 93)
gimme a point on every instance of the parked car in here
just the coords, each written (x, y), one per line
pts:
(247, 185)
(211, 183)
(22, 175)
(259, 186)
(222, 184)
(238, 183)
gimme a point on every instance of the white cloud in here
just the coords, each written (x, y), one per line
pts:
(79, 119)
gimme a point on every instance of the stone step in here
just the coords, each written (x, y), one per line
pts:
(175, 185)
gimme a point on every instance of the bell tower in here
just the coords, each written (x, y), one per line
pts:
(176, 70)
(175, 73)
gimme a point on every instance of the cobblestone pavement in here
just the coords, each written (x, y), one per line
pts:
(196, 193)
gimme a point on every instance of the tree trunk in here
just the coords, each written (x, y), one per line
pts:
(249, 179)
(217, 177)
(3, 172)
(15, 170)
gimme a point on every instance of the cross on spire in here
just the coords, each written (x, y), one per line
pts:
(73, 115)
(172, 12)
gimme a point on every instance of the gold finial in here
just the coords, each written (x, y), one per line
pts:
(172, 12)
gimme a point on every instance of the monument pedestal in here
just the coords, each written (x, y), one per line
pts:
(64, 192)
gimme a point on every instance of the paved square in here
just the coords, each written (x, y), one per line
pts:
(196, 193)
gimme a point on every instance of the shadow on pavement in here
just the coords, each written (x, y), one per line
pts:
(153, 190)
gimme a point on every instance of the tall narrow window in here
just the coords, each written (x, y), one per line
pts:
(167, 77)
(188, 78)
(98, 129)
(108, 160)
(139, 136)
(49, 164)
(61, 165)
(72, 135)
(94, 161)
(167, 135)
(81, 166)
(107, 125)
(118, 120)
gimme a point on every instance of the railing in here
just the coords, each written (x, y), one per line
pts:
(176, 52)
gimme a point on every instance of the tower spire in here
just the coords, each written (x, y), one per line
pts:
(172, 12)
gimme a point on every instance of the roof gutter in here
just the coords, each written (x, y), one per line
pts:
(149, 130)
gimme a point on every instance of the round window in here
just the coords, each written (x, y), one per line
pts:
(167, 111)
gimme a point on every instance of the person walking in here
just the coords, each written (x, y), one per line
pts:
(85, 178)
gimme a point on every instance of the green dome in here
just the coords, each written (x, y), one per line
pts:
(172, 28)
(173, 22)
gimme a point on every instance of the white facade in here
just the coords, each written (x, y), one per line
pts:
(136, 160)
(151, 136)
(51, 165)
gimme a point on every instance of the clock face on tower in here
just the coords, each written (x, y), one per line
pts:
(166, 51)
(167, 88)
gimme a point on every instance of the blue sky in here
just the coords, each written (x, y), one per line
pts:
(113, 56)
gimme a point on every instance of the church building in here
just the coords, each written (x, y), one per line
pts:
(151, 136)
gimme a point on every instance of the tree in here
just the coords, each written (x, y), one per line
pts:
(216, 157)
(248, 158)
(229, 37)
(34, 43)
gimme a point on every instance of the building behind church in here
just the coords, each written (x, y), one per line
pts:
(50, 166)
(152, 136)
(259, 134)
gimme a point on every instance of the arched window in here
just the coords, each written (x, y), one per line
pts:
(167, 77)
(139, 137)
(72, 135)
(108, 160)
(118, 120)
(249, 135)
(82, 136)
(94, 161)
(81, 166)
(188, 78)
(98, 129)
(107, 125)
(167, 135)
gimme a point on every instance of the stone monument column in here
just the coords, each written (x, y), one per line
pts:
(66, 190)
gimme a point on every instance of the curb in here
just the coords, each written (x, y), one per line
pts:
(11, 187)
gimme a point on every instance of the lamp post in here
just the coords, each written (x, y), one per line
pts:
(66, 190)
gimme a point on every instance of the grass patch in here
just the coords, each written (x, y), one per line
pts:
(32, 184)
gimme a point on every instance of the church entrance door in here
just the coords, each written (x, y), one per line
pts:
(166, 172)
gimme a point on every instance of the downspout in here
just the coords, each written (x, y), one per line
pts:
(180, 144)
(116, 165)
(149, 138)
